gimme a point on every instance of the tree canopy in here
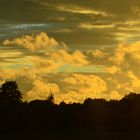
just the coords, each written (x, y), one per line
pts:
(9, 91)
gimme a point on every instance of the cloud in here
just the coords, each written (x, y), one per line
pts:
(135, 81)
(80, 10)
(13, 54)
(54, 54)
(124, 50)
(83, 86)
(112, 69)
(6, 74)
(73, 75)
(41, 90)
(96, 53)
(77, 57)
(92, 26)
(70, 88)
(103, 22)
(63, 31)
(44, 65)
(25, 26)
(40, 41)
(91, 30)
(74, 9)
(114, 95)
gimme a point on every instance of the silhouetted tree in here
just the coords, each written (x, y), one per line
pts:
(9, 91)
(50, 98)
(131, 95)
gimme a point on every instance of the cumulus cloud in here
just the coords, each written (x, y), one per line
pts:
(33, 43)
(79, 80)
(96, 53)
(41, 90)
(135, 81)
(84, 86)
(7, 74)
(114, 95)
(46, 61)
(77, 57)
(127, 50)
(106, 72)
(71, 88)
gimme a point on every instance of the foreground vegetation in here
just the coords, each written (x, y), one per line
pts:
(93, 119)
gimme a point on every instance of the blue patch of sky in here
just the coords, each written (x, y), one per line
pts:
(81, 69)
(13, 30)
(27, 26)
(85, 47)
(17, 66)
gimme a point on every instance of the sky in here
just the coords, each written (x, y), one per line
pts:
(71, 49)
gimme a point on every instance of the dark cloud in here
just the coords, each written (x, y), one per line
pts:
(62, 19)
(16, 11)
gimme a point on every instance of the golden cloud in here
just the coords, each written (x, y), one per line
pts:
(40, 41)
(112, 69)
(132, 50)
(135, 81)
(77, 57)
(114, 95)
(118, 78)
(96, 53)
(41, 90)
(76, 9)
(92, 26)
(84, 86)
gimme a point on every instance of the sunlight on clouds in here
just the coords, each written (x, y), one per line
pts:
(121, 36)
(77, 57)
(78, 87)
(67, 68)
(13, 54)
(33, 42)
(50, 60)
(90, 74)
(114, 95)
(133, 50)
(112, 69)
(135, 81)
(43, 65)
(41, 90)
(80, 10)
(7, 74)
(96, 53)
(75, 9)
(86, 83)
(92, 26)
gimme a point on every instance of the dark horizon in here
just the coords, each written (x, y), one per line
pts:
(71, 48)
(94, 119)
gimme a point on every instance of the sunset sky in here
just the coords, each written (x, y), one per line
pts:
(74, 49)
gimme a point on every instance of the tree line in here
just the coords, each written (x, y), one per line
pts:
(95, 118)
